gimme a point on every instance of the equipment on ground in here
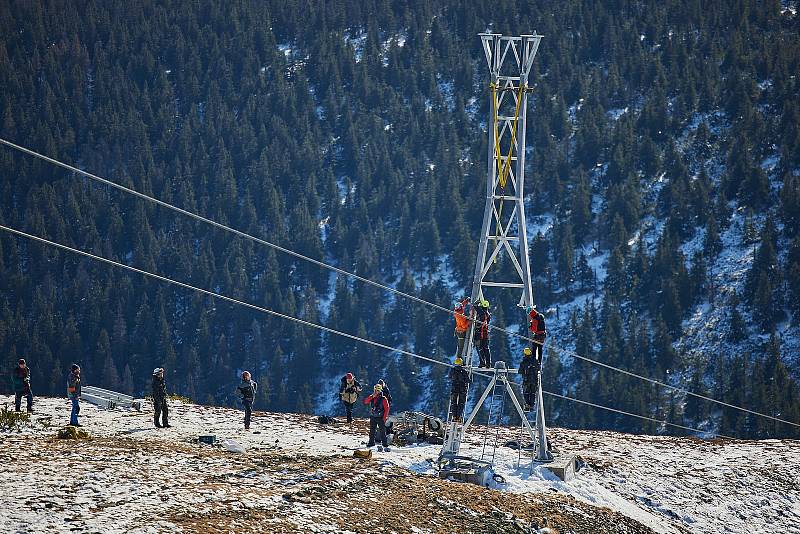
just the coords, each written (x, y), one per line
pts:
(110, 399)
(408, 428)
(466, 469)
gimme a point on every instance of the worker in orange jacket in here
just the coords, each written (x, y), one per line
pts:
(462, 313)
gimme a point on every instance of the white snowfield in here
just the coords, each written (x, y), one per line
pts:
(666, 484)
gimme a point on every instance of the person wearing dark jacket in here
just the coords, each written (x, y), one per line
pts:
(529, 370)
(161, 411)
(74, 393)
(385, 390)
(348, 393)
(538, 331)
(481, 333)
(247, 389)
(21, 382)
(459, 380)
(378, 413)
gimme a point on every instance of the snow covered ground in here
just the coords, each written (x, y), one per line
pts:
(298, 475)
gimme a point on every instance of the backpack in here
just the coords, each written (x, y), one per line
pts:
(377, 408)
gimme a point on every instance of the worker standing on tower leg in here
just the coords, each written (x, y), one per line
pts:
(459, 379)
(462, 313)
(529, 370)
(538, 331)
(481, 336)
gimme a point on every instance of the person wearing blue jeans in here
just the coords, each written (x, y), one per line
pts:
(74, 393)
(21, 384)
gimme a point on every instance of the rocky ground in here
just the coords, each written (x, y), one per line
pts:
(299, 476)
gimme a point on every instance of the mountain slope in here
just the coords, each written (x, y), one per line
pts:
(297, 474)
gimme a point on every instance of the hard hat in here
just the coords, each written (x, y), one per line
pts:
(157, 370)
(527, 351)
(484, 303)
(378, 387)
(349, 376)
(459, 361)
(245, 375)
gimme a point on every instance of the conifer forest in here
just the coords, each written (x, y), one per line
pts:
(663, 199)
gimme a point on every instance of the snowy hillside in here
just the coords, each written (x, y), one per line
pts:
(297, 475)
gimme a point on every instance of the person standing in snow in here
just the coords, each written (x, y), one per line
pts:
(161, 412)
(378, 413)
(74, 393)
(21, 383)
(348, 393)
(461, 313)
(529, 370)
(247, 389)
(459, 380)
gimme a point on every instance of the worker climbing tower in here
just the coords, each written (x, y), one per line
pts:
(502, 261)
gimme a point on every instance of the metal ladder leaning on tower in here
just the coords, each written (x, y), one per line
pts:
(503, 235)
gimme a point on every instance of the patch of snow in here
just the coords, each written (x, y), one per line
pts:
(598, 263)
(357, 41)
(615, 114)
(668, 484)
(286, 49)
(472, 107)
(447, 92)
(770, 163)
(539, 224)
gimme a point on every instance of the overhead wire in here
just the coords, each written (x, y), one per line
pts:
(617, 410)
(384, 287)
(268, 311)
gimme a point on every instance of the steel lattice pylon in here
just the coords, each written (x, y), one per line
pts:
(510, 60)
(503, 234)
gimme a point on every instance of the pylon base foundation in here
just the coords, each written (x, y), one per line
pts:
(563, 466)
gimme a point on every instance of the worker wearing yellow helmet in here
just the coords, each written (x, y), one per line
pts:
(529, 370)
(481, 336)
(378, 413)
(459, 380)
